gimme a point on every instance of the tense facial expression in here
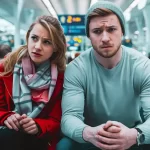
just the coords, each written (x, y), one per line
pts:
(39, 44)
(105, 34)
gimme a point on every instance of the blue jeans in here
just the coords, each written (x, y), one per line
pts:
(68, 144)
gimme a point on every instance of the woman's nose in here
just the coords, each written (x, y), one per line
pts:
(38, 44)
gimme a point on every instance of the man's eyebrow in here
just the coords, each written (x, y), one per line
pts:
(97, 28)
(101, 27)
(112, 26)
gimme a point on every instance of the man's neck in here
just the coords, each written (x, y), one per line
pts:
(109, 63)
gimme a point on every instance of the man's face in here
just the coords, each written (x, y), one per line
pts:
(105, 34)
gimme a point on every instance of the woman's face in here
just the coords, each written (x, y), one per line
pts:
(39, 44)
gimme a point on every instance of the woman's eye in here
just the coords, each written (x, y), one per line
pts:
(47, 42)
(34, 38)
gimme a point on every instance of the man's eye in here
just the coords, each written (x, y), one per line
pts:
(97, 31)
(111, 29)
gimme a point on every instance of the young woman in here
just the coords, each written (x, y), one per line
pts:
(31, 82)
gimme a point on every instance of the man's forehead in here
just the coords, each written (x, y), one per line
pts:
(105, 21)
(104, 24)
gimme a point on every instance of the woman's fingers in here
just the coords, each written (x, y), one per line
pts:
(30, 128)
(7, 124)
(29, 125)
(12, 122)
(15, 119)
(26, 121)
(34, 131)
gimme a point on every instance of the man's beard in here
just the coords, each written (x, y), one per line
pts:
(108, 54)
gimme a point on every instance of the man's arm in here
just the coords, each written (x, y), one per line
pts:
(145, 101)
(72, 123)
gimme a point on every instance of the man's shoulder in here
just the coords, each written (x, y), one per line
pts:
(134, 54)
(137, 59)
(82, 59)
(84, 56)
(86, 52)
(79, 64)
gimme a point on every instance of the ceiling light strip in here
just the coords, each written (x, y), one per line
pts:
(50, 8)
(132, 5)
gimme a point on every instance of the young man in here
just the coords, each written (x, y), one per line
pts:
(105, 87)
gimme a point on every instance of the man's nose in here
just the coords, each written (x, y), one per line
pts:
(105, 37)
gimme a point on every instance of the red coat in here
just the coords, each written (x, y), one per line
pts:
(48, 120)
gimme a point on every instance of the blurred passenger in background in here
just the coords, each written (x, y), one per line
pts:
(105, 87)
(77, 54)
(4, 49)
(149, 55)
(31, 82)
(127, 42)
(69, 59)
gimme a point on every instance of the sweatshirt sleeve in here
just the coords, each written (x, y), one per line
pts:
(145, 101)
(72, 123)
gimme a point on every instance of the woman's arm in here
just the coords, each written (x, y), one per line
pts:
(50, 126)
(4, 112)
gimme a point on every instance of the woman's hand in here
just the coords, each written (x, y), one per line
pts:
(28, 125)
(12, 122)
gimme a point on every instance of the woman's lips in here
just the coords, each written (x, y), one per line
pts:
(36, 54)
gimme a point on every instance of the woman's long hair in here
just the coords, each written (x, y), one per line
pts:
(58, 41)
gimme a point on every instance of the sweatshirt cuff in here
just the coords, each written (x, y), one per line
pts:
(78, 135)
(146, 131)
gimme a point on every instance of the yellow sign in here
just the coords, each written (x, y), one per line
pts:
(71, 19)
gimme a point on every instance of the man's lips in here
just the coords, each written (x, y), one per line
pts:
(106, 46)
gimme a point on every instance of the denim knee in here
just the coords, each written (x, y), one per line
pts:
(66, 144)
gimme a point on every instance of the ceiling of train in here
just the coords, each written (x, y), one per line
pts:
(34, 8)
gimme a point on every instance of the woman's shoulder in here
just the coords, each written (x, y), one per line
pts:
(1, 66)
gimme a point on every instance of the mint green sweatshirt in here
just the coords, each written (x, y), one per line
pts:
(93, 94)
